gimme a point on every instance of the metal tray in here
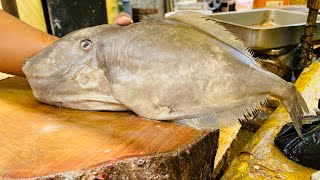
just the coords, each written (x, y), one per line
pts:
(266, 28)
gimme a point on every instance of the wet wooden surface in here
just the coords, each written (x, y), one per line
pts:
(39, 140)
(260, 158)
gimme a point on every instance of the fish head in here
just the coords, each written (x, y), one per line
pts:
(59, 59)
(67, 72)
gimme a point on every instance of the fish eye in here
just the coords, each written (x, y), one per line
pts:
(85, 44)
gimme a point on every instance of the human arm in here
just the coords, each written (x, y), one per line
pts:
(20, 41)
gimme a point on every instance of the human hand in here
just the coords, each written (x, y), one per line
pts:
(123, 19)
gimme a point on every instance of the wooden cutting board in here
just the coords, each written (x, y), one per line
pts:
(38, 140)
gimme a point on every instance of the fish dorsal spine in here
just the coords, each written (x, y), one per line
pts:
(212, 27)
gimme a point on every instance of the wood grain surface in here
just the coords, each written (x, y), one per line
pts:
(38, 140)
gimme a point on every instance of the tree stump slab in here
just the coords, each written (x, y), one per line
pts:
(47, 142)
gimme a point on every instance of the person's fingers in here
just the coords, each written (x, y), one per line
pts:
(123, 19)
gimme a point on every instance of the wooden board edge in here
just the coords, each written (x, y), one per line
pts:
(195, 161)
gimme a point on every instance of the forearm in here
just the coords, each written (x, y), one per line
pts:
(19, 41)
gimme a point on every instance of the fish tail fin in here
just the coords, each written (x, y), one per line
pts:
(296, 107)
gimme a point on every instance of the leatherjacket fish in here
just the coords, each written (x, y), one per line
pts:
(186, 68)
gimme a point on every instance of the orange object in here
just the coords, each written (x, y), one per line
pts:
(19, 41)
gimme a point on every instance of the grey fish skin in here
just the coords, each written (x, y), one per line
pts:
(66, 76)
(160, 70)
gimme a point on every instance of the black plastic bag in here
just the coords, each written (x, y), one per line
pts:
(305, 150)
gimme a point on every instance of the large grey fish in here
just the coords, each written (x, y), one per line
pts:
(186, 68)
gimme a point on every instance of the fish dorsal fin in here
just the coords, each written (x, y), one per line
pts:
(213, 28)
(216, 119)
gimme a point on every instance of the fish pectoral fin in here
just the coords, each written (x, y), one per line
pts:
(227, 116)
(89, 77)
(212, 27)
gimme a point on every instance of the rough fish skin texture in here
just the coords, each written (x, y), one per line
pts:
(176, 69)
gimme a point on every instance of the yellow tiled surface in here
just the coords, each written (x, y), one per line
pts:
(112, 10)
(31, 12)
(293, 2)
(3, 75)
(260, 159)
(226, 139)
